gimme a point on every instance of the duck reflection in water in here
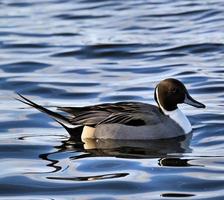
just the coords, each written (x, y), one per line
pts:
(128, 148)
(168, 152)
(164, 150)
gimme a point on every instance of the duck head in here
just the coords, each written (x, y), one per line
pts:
(171, 92)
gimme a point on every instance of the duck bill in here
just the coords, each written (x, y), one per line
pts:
(190, 101)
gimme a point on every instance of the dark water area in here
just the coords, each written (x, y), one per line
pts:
(76, 53)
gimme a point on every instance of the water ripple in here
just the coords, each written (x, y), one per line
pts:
(26, 66)
(75, 17)
(112, 51)
(78, 53)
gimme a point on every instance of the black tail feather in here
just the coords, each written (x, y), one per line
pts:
(57, 117)
(75, 132)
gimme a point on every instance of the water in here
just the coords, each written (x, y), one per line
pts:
(75, 53)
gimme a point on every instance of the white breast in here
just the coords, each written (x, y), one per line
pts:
(180, 119)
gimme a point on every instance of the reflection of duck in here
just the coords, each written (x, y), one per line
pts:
(168, 152)
(130, 120)
(155, 149)
(138, 148)
(128, 148)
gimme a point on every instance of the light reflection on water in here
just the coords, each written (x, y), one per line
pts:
(76, 53)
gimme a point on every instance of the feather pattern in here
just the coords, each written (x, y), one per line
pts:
(126, 113)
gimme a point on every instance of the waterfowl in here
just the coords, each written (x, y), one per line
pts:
(129, 120)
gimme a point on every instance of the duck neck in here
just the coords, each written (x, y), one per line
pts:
(179, 117)
(176, 115)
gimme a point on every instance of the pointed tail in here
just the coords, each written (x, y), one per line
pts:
(56, 116)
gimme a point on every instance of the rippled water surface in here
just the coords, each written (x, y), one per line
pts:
(76, 53)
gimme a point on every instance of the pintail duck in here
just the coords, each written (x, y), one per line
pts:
(129, 120)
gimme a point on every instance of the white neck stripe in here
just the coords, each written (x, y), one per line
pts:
(177, 116)
(157, 97)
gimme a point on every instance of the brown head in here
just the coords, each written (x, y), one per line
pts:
(170, 92)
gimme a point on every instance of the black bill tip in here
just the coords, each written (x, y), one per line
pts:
(190, 101)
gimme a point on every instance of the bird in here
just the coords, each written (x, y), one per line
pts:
(128, 120)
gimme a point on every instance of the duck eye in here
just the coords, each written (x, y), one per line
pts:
(174, 91)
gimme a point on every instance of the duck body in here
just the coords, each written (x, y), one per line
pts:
(140, 121)
(162, 130)
(129, 120)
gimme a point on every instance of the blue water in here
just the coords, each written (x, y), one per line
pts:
(76, 53)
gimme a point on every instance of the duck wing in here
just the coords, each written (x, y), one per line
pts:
(127, 113)
(107, 107)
